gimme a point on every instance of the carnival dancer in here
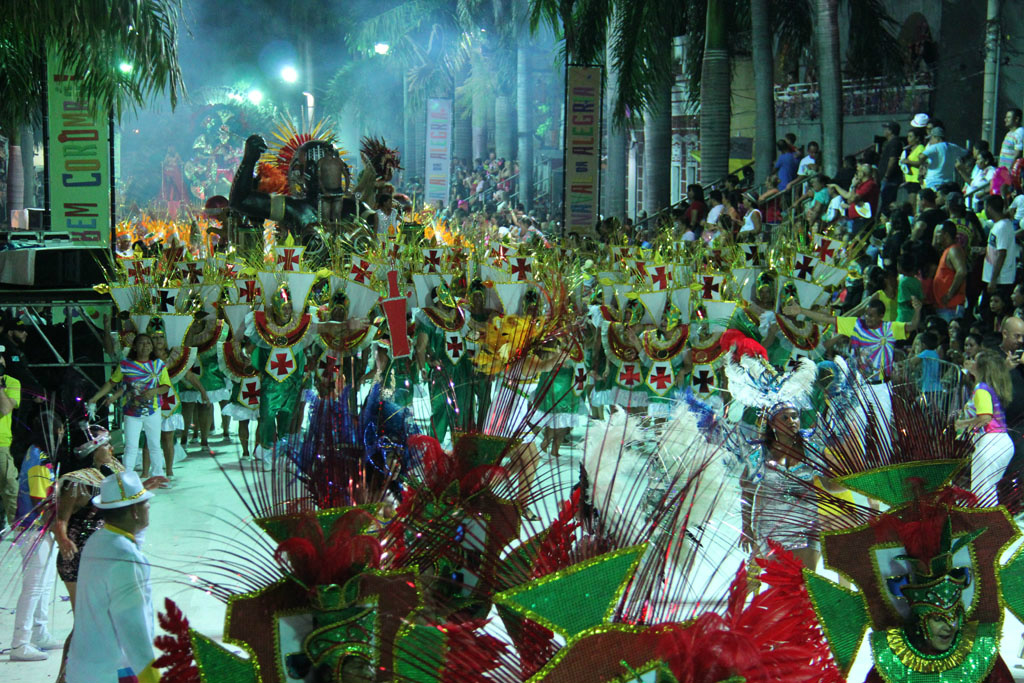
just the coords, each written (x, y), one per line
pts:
(663, 350)
(872, 339)
(114, 630)
(774, 467)
(143, 379)
(244, 406)
(276, 339)
(443, 363)
(217, 389)
(179, 361)
(624, 370)
(560, 406)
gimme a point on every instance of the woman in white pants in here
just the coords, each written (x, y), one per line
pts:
(39, 554)
(993, 448)
(141, 378)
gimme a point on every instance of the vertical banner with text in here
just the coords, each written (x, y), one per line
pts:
(582, 148)
(439, 151)
(78, 163)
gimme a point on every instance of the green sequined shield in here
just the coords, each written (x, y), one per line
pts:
(216, 664)
(578, 598)
(889, 484)
(843, 616)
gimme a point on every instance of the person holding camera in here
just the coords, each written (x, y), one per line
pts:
(10, 399)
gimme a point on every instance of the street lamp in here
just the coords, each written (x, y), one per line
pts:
(256, 96)
(125, 67)
(289, 74)
(381, 48)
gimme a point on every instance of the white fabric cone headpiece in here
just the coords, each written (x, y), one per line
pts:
(175, 328)
(299, 284)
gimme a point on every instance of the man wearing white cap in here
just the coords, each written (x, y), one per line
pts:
(113, 637)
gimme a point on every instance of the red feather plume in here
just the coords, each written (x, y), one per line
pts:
(272, 179)
(177, 660)
(470, 652)
(741, 345)
(776, 637)
(315, 561)
(553, 553)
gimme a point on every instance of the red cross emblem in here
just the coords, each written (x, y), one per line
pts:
(288, 259)
(168, 401)
(825, 250)
(499, 256)
(641, 268)
(804, 266)
(281, 364)
(579, 378)
(661, 378)
(247, 291)
(228, 270)
(137, 271)
(250, 393)
(704, 381)
(521, 268)
(360, 271)
(329, 365)
(455, 257)
(660, 278)
(628, 376)
(431, 260)
(711, 287)
(454, 346)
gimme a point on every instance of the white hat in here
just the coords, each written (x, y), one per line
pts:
(121, 490)
(919, 120)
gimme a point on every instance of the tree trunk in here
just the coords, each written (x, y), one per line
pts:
(524, 111)
(463, 134)
(764, 88)
(715, 90)
(408, 139)
(989, 105)
(28, 166)
(15, 176)
(418, 158)
(658, 151)
(613, 196)
(504, 128)
(479, 126)
(830, 84)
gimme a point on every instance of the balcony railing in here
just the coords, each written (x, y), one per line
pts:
(861, 97)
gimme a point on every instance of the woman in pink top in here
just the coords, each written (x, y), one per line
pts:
(993, 448)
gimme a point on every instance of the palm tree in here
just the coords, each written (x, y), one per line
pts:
(90, 39)
(830, 83)
(764, 87)
(715, 95)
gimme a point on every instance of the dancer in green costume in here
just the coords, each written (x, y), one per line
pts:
(443, 363)
(277, 340)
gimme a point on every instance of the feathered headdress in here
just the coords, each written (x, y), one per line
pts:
(754, 383)
(379, 165)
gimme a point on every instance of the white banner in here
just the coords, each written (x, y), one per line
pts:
(582, 147)
(439, 151)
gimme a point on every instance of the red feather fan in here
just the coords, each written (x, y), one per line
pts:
(177, 660)
(776, 637)
(316, 561)
(553, 553)
(470, 652)
(920, 531)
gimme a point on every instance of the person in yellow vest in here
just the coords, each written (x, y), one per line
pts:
(10, 399)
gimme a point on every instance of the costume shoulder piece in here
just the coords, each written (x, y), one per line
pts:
(278, 336)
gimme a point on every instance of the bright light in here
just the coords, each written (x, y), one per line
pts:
(381, 48)
(125, 67)
(255, 96)
(289, 74)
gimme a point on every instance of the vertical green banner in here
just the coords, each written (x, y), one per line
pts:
(78, 163)
(582, 188)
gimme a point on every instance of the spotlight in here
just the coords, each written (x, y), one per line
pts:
(255, 96)
(381, 48)
(289, 74)
(125, 67)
